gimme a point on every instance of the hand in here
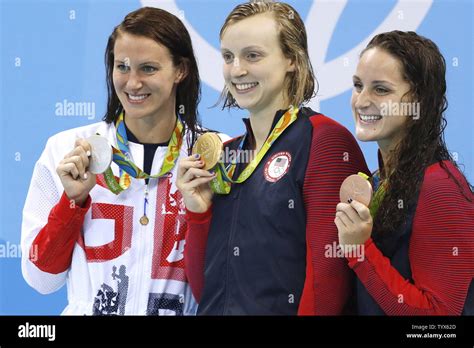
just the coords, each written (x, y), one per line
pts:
(354, 223)
(72, 171)
(193, 183)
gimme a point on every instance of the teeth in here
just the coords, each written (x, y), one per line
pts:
(370, 117)
(244, 86)
(137, 97)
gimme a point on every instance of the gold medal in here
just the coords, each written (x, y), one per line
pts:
(144, 220)
(209, 147)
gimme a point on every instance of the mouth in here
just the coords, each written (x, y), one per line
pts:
(245, 87)
(137, 98)
(369, 119)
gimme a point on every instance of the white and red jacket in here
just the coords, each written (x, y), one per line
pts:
(112, 265)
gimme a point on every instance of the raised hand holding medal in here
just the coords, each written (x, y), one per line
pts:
(209, 147)
(195, 173)
(353, 218)
(78, 169)
(73, 172)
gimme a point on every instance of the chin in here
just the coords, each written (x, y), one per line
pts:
(243, 104)
(361, 136)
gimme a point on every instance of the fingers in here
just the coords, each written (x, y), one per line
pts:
(68, 169)
(339, 224)
(190, 174)
(189, 162)
(196, 173)
(198, 182)
(344, 218)
(361, 210)
(350, 212)
(84, 144)
(76, 162)
(79, 165)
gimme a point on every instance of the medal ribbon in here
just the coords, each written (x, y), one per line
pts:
(122, 158)
(223, 181)
(379, 187)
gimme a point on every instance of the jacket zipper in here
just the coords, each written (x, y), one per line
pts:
(235, 214)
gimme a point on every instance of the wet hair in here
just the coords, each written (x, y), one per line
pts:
(422, 143)
(167, 30)
(300, 84)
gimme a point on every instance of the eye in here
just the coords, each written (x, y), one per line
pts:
(228, 57)
(357, 86)
(253, 56)
(122, 67)
(149, 69)
(381, 90)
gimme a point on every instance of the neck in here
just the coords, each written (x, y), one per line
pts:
(261, 121)
(152, 130)
(261, 126)
(387, 150)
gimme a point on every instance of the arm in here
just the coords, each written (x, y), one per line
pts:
(441, 255)
(50, 228)
(334, 156)
(49, 231)
(193, 183)
(51, 251)
(195, 249)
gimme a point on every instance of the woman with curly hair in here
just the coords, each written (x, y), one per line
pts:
(417, 232)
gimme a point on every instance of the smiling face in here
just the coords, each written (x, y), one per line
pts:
(255, 67)
(144, 77)
(379, 87)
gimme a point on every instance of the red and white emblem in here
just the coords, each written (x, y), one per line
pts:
(277, 166)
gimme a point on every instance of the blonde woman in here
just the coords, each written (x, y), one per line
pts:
(257, 242)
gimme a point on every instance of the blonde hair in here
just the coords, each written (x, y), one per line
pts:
(300, 84)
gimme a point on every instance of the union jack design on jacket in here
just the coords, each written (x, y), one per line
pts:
(112, 265)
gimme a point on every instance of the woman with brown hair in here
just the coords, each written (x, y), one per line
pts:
(259, 244)
(417, 234)
(116, 239)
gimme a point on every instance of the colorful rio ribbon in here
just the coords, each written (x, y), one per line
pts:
(223, 181)
(379, 187)
(122, 158)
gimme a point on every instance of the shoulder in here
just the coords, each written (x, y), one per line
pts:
(443, 201)
(444, 213)
(440, 181)
(70, 135)
(324, 125)
(61, 143)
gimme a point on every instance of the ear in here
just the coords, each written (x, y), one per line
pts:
(182, 71)
(291, 65)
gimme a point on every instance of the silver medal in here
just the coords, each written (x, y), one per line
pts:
(101, 154)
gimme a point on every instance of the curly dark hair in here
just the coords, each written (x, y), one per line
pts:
(423, 143)
(167, 30)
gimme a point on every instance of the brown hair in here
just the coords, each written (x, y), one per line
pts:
(300, 84)
(424, 68)
(167, 30)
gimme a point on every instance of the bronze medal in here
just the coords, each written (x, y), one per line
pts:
(144, 220)
(355, 187)
(209, 147)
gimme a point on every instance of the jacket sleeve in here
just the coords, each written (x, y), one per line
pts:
(195, 249)
(334, 155)
(441, 255)
(50, 227)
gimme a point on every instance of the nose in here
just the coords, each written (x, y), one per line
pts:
(134, 81)
(238, 69)
(361, 99)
